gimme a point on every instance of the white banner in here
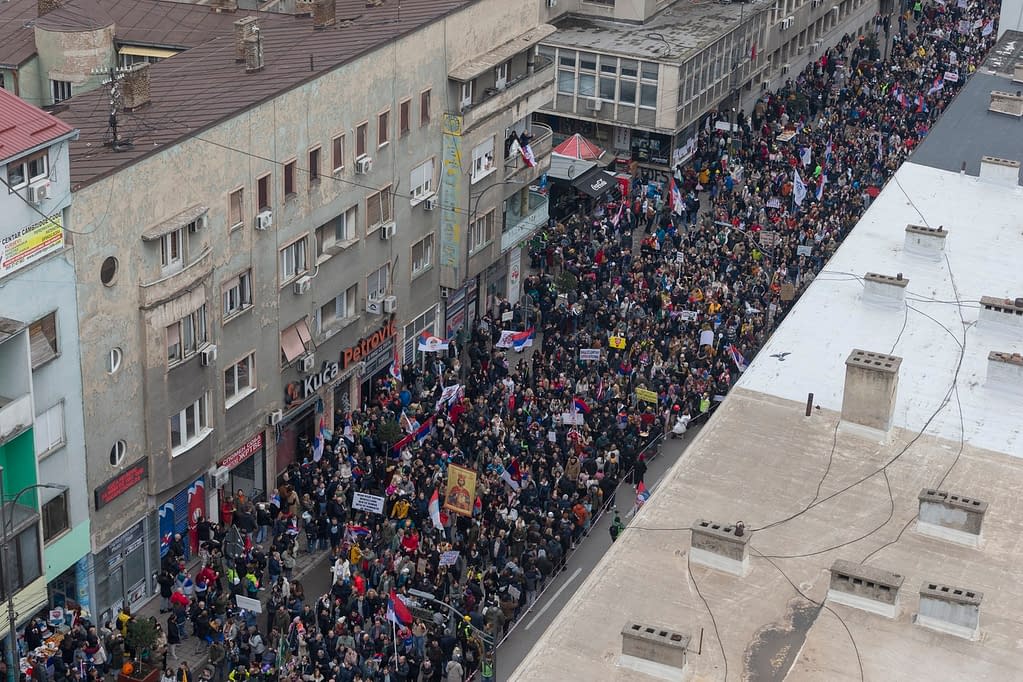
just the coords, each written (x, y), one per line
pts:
(576, 418)
(368, 503)
(589, 353)
(448, 558)
(248, 603)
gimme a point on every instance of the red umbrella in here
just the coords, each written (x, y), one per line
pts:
(578, 147)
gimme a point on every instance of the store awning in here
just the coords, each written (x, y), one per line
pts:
(594, 182)
(567, 168)
(139, 51)
(578, 147)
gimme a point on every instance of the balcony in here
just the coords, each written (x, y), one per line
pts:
(516, 170)
(168, 286)
(520, 227)
(534, 88)
(15, 415)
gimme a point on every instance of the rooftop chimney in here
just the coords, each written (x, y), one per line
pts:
(928, 242)
(865, 587)
(135, 86)
(224, 6)
(660, 646)
(324, 13)
(44, 7)
(1006, 313)
(1004, 172)
(1005, 371)
(243, 28)
(1017, 74)
(871, 385)
(1010, 103)
(885, 289)
(254, 52)
(950, 517)
(952, 610)
(720, 546)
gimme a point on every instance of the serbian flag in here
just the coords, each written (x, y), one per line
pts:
(396, 365)
(676, 197)
(740, 362)
(527, 156)
(431, 344)
(523, 339)
(600, 389)
(642, 495)
(580, 405)
(821, 181)
(753, 52)
(435, 510)
(318, 442)
(937, 86)
(397, 612)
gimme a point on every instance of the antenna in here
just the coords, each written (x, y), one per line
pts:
(113, 80)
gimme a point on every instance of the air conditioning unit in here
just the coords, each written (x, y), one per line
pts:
(197, 224)
(306, 363)
(431, 203)
(274, 418)
(38, 192)
(221, 475)
(208, 355)
(390, 304)
(363, 165)
(593, 104)
(388, 230)
(763, 86)
(264, 220)
(302, 285)
(374, 306)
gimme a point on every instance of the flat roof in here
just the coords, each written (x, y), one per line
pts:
(759, 459)
(967, 130)
(674, 35)
(203, 86)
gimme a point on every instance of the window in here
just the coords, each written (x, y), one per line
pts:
(289, 179)
(566, 82)
(172, 251)
(190, 425)
(567, 58)
(482, 232)
(337, 310)
(236, 208)
(61, 90)
(295, 341)
(465, 99)
(422, 254)
(587, 85)
(337, 153)
(314, 165)
(48, 430)
(404, 114)
(422, 181)
(483, 160)
(114, 358)
(587, 61)
(186, 336)
(335, 234)
(424, 323)
(627, 92)
(378, 209)
(263, 193)
(117, 453)
(378, 282)
(424, 107)
(648, 96)
(649, 71)
(361, 139)
(24, 561)
(239, 380)
(293, 260)
(237, 294)
(55, 517)
(42, 336)
(607, 88)
(28, 169)
(501, 76)
(383, 128)
(629, 68)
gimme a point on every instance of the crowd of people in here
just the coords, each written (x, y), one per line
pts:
(423, 594)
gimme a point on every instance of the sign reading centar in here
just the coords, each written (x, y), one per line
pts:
(366, 346)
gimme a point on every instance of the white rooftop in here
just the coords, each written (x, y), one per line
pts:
(985, 239)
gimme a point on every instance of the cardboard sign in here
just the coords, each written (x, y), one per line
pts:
(507, 316)
(617, 342)
(788, 292)
(575, 418)
(646, 395)
(249, 604)
(707, 337)
(952, 76)
(448, 558)
(368, 503)
(589, 353)
(804, 250)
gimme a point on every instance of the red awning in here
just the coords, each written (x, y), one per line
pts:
(578, 147)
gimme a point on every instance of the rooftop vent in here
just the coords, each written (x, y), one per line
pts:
(1004, 312)
(925, 241)
(1017, 73)
(871, 385)
(1010, 103)
(1004, 172)
(953, 610)
(885, 289)
(950, 517)
(224, 6)
(243, 28)
(135, 86)
(324, 13)
(1005, 370)
(374, 3)
(865, 587)
(254, 52)
(719, 546)
(646, 644)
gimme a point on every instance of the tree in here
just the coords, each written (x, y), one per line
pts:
(141, 637)
(388, 432)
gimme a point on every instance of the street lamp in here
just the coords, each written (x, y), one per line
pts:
(7, 521)
(486, 639)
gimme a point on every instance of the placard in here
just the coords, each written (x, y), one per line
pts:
(575, 418)
(804, 250)
(248, 603)
(952, 76)
(507, 316)
(368, 503)
(460, 490)
(448, 558)
(707, 337)
(646, 395)
(617, 342)
(589, 353)
(788, 292)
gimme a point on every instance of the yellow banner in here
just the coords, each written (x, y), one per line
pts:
(646, 395)
(30, 244)
(460, 490)
(617, 342)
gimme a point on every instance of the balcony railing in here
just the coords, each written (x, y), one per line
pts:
(535, 88)
(541, 144)
(520, 226)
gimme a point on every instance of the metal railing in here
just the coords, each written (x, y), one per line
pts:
(541, 144)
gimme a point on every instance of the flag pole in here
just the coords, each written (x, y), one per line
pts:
(394, 636)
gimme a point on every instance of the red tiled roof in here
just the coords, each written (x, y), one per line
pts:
(23, 126)
(203, 86)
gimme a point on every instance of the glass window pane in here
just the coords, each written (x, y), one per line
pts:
(175, 424)
(649, 70)
(229, 389)
(566, 82)
(566, 58)
(191, 422)
(587, 85)
(627, 92)
(607, 88)
(608, 64)
(629, 68)
(648, 96)
(28, 549)
(243, 373)
(588, 61)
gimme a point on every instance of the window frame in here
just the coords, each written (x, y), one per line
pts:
(195, 323)
(465, 94)
(331, 240)
(302, 334)
(61, 90)
(235, 222)
(52, 445)
(314, 157)
(50, 534)
(481, 232)
(264, 185)
(425, 107)
(501, 72)
(240, 392)
(201, 425)
(337, 153)
(427, 243)
(383, 128)
(404, 117)
(424, 190)
(25, 164)
(290, 180)
(300, 264)
(47, 322)
(374, 292)
(20, 578)
(243, 283)
(348, 299)
(484, 169)
(361, 140)
(172, 251)
(384, 208)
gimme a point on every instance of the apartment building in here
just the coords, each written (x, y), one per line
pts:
(638, 76)
(41, 395)
(276, 215)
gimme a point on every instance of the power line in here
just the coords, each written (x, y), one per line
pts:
(713, 620)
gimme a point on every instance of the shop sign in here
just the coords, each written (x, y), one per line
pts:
(121, 483)
(359, 351)
(28, 245)
(314, 382)
(381, 357)
(251, 447)
(126, 543)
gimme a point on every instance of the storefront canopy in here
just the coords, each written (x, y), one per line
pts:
(567, 168)
(578, 147)
(594, 182)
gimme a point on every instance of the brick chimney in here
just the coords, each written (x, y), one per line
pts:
(46, 6)
(135, 87)
(243, 28)
(324, 13)
(254, 52)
